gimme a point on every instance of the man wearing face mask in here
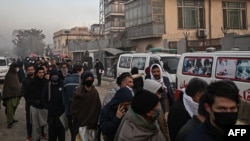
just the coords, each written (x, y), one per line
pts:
(140, 122)
(53, 102)
(86, 105)
(112, 113)
(222, 106)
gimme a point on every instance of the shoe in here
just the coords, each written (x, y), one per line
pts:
(9, 125)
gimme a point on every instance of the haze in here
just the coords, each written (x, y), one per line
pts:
(47, 15)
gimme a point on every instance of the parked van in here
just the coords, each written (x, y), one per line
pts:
(142, 60)
(4, 67)
(213, 66)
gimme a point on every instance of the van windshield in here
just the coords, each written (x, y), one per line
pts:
(170, 64)
(3, 63)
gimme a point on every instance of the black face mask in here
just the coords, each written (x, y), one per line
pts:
(55, 80)
(30, 75)
(225, 118)
(89, 83)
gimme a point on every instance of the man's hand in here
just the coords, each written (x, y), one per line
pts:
(120, 111)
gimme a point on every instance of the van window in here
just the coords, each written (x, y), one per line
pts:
(125, 62)
(233, 68)
(138, 62)
(226, 68)
(243, 69)
(3, 62)
(170, 64)
(198, 66)
(154, 60)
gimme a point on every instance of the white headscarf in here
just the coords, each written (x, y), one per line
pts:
(190, 105)
(161, 77)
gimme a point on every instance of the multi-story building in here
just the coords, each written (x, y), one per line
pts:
(114, 17)
(162, 23)
(62, 38)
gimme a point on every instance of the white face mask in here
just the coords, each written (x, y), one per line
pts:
(17, 69)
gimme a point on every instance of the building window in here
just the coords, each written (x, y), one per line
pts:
(191, 14)
(144, 11)
(234, 15)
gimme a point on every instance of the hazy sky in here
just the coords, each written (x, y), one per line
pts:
(47, 15)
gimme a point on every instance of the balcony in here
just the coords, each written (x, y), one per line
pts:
(114, 9)
(114, 25)
(145, 31)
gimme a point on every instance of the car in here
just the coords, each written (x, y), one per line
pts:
(4, 67)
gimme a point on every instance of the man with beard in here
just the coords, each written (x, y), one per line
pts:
(140, 122)
(222, 106)
(86, 105)
(37, 110)
(24, 90)
(167, 97)
(53, 102)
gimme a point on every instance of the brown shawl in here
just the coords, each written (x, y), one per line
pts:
(85, 108)
(12, 86)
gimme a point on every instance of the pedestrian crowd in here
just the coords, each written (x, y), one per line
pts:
(61, 96)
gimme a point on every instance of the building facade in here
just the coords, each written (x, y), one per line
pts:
(62, 38)
(162, 23)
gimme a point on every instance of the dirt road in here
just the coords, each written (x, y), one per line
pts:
(18, 131)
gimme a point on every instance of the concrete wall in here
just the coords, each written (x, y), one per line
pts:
(232, 40)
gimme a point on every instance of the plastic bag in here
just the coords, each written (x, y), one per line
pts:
(86, 134)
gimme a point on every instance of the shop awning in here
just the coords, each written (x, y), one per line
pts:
(113, 51)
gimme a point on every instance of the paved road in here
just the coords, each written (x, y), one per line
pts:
(18, 131)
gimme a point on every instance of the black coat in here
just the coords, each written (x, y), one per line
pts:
(53, 101)
(34, 93)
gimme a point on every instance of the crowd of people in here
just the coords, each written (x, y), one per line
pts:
(136, 109)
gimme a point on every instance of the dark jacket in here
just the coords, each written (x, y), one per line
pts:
(12, 87)
(70, 84)
(21, 75)
(53, 100)
(99, 66)
(170, 93)
(34, 94)
(25, 86)
(177, 117)
(109, 123)
(205, 132)
(85, 108)
(187, 128)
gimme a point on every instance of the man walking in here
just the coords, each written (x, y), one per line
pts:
(37, 110)
(24, 89)
(69, 86)
(99, 69)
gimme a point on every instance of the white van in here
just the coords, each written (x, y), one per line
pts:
(212, 66)
(4, 67)
(168, 62)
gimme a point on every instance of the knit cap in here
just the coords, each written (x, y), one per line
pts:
(144, 101)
